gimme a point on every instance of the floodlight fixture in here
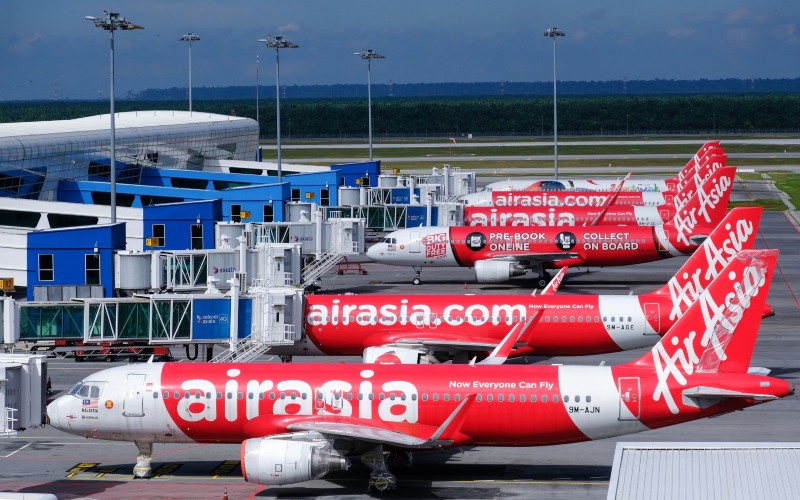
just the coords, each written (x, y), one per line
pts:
(554, 33)
(369, 55)
(277, 42)
(190, 37)
(112, 21)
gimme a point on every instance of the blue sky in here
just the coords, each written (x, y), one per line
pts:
(48, 50)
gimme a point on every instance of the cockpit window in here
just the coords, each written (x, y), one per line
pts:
(88, 390)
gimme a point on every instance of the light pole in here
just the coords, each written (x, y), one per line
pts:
(189, 37)
(554, 33)
(369, 55)
(258, 66)
(111, 21)
(277, 42)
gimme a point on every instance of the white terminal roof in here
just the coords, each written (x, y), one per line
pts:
(128, 119)
(705, 471)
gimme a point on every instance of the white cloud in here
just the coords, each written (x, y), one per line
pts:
(291, 27)
(23, 46)
(681, 33)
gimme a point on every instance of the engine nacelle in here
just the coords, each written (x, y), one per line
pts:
(395, 355)
(285, 460)
(494, 271)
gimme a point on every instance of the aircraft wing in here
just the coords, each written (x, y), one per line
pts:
(448, 342)
(532, 259)
(360, 432)
(393, 433)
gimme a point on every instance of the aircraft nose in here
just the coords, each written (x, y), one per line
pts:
(373, 252)
(53, 415)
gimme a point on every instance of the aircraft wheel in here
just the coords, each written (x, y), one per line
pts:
(416, 281)
(542, 282)
(382, 483)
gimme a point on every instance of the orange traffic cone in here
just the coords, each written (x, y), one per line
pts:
(225, 495)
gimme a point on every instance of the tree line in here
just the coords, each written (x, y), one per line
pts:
(457, 117)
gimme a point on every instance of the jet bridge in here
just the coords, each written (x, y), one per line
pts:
(23, 392)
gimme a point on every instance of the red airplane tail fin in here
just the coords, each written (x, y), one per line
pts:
(689, 168)
(717, 334)
(701, 214)
(737, 231)
(707, 166)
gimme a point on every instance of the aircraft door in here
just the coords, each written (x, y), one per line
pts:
(660, 244)
(629, 398)
(328, 402)
(133, 404)
(652, 318)
(664, 216)
(414, 242)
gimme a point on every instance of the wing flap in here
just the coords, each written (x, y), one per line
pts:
(359, 432)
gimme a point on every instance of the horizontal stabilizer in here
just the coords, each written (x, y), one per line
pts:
(716, 393)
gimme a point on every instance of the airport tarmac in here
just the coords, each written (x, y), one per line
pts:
(47, 460)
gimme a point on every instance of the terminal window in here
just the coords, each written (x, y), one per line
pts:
(159, 233)
(46, 271)
(269, 213)
(197, 236)
(92, 269)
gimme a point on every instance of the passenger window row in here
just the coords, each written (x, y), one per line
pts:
(500, 398)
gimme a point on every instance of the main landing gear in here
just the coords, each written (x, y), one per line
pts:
(142, 469)
(544, 279)
(417, 280)
(380, 479)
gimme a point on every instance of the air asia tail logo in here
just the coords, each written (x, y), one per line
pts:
(566, 241)
(685, 289)
(476, 241)
(688, 219)
(679, 359)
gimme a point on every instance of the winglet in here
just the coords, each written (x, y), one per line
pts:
(610, 201)
(555, 283)
(445, 434)
(504, 348)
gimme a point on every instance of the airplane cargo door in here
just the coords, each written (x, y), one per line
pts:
(413, 243)
(133, 405)
(629, 400)
(652, 318)
(660, 244)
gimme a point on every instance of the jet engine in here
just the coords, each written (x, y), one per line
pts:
(395, 355)
(494, 271)
(285, 459)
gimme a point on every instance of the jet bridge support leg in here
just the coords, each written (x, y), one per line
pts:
(142, 469)
(380, 479)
